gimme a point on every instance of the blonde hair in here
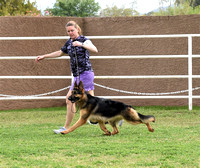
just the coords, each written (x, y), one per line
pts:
(72, 23)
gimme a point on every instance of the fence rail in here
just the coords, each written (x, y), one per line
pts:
(189, 56)
(108, 97)
(102, 37)
(101, 77)
(104, 57)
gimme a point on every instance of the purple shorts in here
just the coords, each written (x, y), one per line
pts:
(87, 77)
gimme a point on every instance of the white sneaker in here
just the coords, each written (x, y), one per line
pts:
(59, 130)
(121, 122)
(92, 123)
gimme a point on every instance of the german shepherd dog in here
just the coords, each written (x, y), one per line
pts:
(104, 111)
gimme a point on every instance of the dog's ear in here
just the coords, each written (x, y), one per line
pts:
(80, 85)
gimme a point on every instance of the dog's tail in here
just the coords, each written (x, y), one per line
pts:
(146, 118)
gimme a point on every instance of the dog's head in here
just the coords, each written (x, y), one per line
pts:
(77, 92)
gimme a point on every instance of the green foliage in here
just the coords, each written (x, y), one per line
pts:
(192, 3)
(114, 11)
(78, 8)
(18, 8)
(27, 140)
(181, 9)
(196, 3)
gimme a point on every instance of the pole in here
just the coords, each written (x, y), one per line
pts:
(190, 72)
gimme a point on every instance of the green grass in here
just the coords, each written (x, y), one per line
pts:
(27, 140)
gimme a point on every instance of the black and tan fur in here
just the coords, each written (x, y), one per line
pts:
(102, 110)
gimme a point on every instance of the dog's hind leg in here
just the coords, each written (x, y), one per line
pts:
(149, 127)
(103, 128)
(132, 117)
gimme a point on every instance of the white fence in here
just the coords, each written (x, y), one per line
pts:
(189, 76)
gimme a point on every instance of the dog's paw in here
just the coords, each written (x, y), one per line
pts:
(115, 132)
(108, 133)
(63, 132)
(151, 130)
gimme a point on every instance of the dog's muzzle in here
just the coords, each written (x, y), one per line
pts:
(73, 99)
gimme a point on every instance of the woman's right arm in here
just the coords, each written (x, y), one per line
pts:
(50, 55)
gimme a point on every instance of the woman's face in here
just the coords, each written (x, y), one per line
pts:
(72, 32)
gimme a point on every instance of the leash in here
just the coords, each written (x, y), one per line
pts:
(77, 68)
(76, 108)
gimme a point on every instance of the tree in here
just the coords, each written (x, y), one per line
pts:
(18, 8)
(79, 8)
(193, 3)
(181, 7)
(196, 3)
(115, 12)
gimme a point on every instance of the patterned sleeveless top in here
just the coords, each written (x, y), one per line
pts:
(82, 56)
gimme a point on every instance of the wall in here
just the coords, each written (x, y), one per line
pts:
(55, 26)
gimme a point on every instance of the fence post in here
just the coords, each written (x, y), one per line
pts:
(190, 72)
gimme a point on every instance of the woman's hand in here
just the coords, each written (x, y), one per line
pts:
(55, 54)
(77, 43)
(39, 58)
(87, 45)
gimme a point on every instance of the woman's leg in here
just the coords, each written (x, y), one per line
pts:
(69, 116)
(91, 92)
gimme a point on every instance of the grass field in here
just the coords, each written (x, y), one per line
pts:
(27, 140)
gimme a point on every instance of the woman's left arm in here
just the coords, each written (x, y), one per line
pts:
(87, 45)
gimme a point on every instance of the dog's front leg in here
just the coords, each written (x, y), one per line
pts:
(79, 123)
